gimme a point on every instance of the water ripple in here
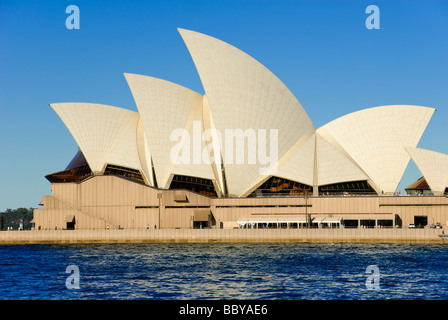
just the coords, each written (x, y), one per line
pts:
(225, 271)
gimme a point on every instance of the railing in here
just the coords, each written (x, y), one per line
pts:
(347, 195)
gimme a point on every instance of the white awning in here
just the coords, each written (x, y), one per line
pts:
(270, 219)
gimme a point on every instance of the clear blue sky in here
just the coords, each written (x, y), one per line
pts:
(321, 50)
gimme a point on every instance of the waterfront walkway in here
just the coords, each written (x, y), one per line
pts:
(222, 236)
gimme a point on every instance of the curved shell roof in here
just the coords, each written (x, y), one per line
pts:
(434, 167)
(241, 94)
(105, 134)
(244, 94)
(165, 107)
(333, 165)
(375, 139)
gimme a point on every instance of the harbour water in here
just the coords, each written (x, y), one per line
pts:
(224, 271)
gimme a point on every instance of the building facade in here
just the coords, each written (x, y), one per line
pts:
(243, 155)
(114, 202)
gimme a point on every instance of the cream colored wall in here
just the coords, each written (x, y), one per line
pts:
(111, 201)
(67, 193)
(435, 208)
(224, 236)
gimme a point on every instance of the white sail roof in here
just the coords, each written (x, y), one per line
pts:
(105, 134)
(244, 98)
(167, 109)
(298, 165)
(375, 139)
(333, 165)
(243, 94)
(434, 167)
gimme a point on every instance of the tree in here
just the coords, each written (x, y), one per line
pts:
(14, 217)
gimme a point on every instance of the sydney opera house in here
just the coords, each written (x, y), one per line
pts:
(243, 155)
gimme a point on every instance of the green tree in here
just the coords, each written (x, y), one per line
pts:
(14, 217)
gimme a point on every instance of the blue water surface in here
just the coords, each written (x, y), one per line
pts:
(225, 271)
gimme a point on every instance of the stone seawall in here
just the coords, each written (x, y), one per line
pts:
(222, 236)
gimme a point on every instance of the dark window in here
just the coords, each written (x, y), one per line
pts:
(71, 225)
(276, 186)
(200, 224)
(353, 187)
(386, 223)
(368, 223)
(349, 223)
(70, 175)
(123, 172)
(198, 185)
(420, 221)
